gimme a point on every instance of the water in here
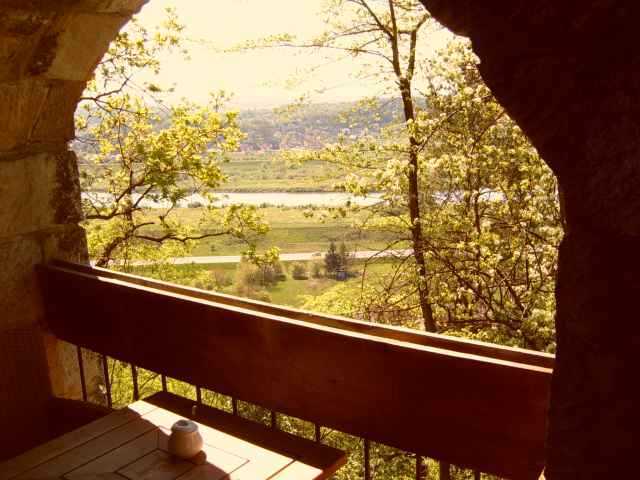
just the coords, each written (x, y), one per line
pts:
(286, 199)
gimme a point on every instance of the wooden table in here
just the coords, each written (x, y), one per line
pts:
(132, 444)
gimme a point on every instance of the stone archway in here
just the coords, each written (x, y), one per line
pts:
(560, 68)
(48, 49)
(563, 72)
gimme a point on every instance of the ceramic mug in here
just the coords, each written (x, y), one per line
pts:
(185, 440)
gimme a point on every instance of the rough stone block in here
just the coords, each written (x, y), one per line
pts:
(113, 6)
(38, 192)
(54, 123)
(20, 32)
(36, 110)
(73, 52)
(20, 104)
(67, 243)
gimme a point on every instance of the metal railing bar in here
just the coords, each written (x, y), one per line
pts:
(134, 379)
(421, 473)
(163, 380)
(367, 460)
(107, 380)
(234, 405)
(445, 471)
(83, 384)
(317, 431)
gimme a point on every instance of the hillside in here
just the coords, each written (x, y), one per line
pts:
(314, 125)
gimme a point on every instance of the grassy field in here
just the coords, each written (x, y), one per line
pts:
(289, 292)
(269, 172)
(265, 172)
(291, 231)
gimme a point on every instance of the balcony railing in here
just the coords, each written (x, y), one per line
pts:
(474, 405)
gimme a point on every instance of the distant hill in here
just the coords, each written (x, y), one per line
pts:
(314, 125)
(306, 126)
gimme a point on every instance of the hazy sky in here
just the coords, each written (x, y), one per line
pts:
(261, 78)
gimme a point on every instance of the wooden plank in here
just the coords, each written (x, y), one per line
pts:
(470, 410)
(71, 440)
(118, 458)
(256, 459)
(297, 470)
(97, 476)
(244, 438)
(214, 462)
(157, 465)
(87, 452)
(461, 345)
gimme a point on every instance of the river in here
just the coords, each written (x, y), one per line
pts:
(285, 199)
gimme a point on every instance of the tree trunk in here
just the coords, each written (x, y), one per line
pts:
(417, 238)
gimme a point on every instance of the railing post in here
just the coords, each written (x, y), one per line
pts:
(367, 460)
(445, 471)
(134, 378)
(421, 470)
(83, 384)
(274, 419)
(234, 405)
(317, 432)
(163, 379)
(107, 380)
(198, 395)
(477, 475)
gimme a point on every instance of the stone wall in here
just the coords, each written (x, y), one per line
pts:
(48, 50)
(569, 73)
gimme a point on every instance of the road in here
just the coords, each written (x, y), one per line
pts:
(284, 257)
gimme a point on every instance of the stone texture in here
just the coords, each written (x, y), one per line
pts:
(20, 33)
(20, 105)
(47, 51)
(73, 51)
(65, 6)
(37, 111)
(20, 302)
(566, 74)
(38, 192)
(68, 243)
(113, 6)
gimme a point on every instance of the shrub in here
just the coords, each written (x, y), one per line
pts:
(316, 269)
(299, 271)
(221, 279)
(278, 271)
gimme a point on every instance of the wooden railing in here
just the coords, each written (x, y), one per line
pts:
(462, 402)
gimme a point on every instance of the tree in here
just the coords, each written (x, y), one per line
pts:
(389, 32)
(142, 160)
(331, 259)
(497, 225)
(490, 217)
(345, 258)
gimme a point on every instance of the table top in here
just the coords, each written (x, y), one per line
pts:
(132, 444)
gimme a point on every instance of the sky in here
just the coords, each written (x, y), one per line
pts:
(258, 79)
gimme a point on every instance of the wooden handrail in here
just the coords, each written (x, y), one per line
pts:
(461, 345)
(483, 411)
